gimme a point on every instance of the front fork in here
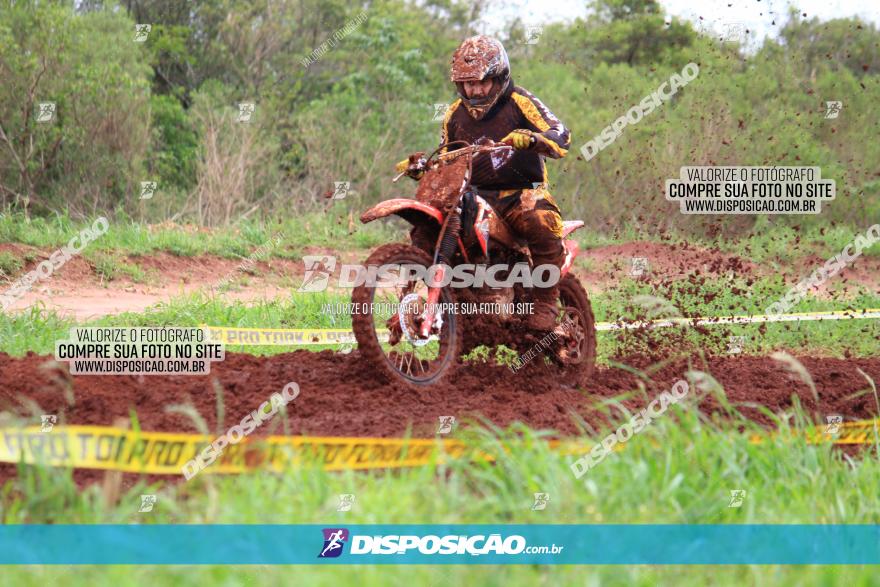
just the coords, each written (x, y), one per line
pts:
(447, 242)
(432, 306)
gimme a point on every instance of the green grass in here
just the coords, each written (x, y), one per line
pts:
(781, 245)
(451, 575)
(126, 237)
(679, 470)
(109, 266)
(10, 265)
(772, 244)
(719, 297)
(37, 329)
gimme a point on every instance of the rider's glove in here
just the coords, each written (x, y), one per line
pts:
(409, 166)
(519, 139)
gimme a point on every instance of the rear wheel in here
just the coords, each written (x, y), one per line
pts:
(576, 348)
(388, 319)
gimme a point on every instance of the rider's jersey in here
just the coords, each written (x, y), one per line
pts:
(517, 108)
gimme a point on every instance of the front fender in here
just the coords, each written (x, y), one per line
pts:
(412, 211)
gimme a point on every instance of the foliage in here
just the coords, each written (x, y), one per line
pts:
(342, 91)
(91, 155)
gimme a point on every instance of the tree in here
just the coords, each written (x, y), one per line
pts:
(95, 78)
(840, 43)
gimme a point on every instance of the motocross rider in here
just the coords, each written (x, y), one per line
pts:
(492, 107)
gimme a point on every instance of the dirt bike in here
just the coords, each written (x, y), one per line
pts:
(412, 330)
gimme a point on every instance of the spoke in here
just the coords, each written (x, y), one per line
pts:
(416, 361)
(400, 360)
(408, 356)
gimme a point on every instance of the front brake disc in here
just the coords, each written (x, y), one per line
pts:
(410, 312)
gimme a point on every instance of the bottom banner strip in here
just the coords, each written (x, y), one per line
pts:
(170, 453)
(519, 544)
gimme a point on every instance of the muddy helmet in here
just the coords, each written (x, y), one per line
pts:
(476, 59)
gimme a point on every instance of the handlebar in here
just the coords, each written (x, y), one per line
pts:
(466, 150)
(473, 150)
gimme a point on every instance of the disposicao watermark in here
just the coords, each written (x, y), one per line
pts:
(148, 189)
(833, 108)
(340, 190)
(340, 34)
(125, 350)
(636, 424)
(319, 268)
(440, 110)
(635, 114)
(638, 266)
(533, 34)
(46, 111)
(142, 32)
(147, 503)
(539, 346)
(750, 190)
(737, 497)
(831, 268)
(56, 260)
(248, 264)
(47, 422)
(541, 500)
(476, 545)
(236, 433)
(346, 501)
(246, 111)
(447, 423)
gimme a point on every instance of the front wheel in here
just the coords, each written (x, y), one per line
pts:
(389, 318)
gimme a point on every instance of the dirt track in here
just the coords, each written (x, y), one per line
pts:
(340, 395)
(78, 291)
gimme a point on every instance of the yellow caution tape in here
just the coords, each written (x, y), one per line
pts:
(330, 336)
(165, 453)
(97, 447)
(282, 336)
(711, 321)
(861, 432)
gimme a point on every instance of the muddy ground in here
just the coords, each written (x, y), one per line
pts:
(341, 396)
(79, 290)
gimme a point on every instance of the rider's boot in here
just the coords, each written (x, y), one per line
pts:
(543, 317)
(546, 250)
(535, 216)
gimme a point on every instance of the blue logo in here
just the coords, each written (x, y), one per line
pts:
(334, 540)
